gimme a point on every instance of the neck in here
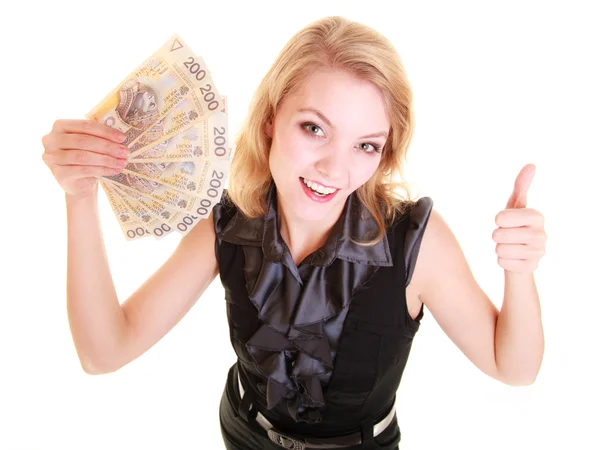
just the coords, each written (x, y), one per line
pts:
(303, 237)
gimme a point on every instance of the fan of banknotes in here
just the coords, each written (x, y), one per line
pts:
(175, 121)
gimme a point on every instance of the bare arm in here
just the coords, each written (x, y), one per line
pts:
(108, 335)
(446, 285)
(164, 299)
(507, 345)
(98, 324)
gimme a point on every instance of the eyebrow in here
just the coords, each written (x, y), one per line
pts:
(382, 134)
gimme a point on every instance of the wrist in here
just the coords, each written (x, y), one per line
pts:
(81, 198)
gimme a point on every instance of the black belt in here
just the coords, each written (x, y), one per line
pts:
(325, 443)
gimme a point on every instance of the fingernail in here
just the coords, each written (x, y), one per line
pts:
(124, 151)
(120, 136)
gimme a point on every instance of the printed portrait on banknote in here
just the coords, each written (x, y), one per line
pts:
(139, 104)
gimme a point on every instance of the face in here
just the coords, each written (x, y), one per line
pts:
(144, 102)
(149, 102)
(329, 135)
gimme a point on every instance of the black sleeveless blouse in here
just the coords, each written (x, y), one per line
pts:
(321, 346)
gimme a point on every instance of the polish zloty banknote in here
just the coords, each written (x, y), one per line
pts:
(130, 225)
(177, 121)
(207, 139)
(157, 191)
(144, 208)
(176, 218)
(169, 197)
(190, 177)
(170, 217)
(146, 218)
(142, 100)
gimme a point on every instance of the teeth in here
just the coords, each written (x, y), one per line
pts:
(318, 188)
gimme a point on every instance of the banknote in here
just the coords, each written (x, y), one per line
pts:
(144, 208)
(132, 227)
(189, 208)
(207, 139)
(179, 153)
(170, 197)
(174, 220)
(177, 121)
(189, 177)
(142, 100)
(170, 216)
(181, 117)
(145, 217)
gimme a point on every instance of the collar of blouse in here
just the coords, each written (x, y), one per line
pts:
(264, 232)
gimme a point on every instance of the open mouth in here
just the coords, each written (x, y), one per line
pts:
(317, 191)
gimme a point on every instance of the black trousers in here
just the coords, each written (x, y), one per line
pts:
(239, 434)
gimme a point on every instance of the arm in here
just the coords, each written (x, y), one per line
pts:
(164, 299)
(107, 335)
(446, 285)
(519, 333)
(96, 319)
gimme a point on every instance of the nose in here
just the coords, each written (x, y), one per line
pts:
(333, 165)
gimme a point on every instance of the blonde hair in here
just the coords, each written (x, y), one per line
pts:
(332, 43)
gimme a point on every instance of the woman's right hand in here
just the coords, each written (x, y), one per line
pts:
(77, 151)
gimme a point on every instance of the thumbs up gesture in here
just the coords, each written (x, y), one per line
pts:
(520, 236)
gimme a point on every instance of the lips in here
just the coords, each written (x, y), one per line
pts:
(314, 196)
(312, 183)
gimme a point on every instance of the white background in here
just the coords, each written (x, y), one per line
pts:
(496, 85)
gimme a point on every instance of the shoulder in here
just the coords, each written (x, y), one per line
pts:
(223, 212)
(437, 248)
(418, 212)
(411, 213)
(416, 217)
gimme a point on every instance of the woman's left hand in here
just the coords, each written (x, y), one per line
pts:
(520, 236)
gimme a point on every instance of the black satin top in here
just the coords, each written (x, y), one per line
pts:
(294, 328)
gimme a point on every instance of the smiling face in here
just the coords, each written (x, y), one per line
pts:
(330, 132)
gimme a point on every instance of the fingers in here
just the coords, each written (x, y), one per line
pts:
(63, 146)
(79, 151)
(89, 127)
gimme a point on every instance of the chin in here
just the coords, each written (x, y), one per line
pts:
(307, 209)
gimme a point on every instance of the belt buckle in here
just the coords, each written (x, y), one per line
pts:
(285, 441)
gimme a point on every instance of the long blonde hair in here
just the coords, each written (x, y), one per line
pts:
(333, 43)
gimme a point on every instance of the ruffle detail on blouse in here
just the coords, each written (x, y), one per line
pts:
(291, 348)
(292, 366)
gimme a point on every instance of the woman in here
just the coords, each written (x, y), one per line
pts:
(317, 252)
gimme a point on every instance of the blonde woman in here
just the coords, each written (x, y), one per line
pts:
(316, 244)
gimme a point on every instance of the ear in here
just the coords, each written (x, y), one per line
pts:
(269, 128)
